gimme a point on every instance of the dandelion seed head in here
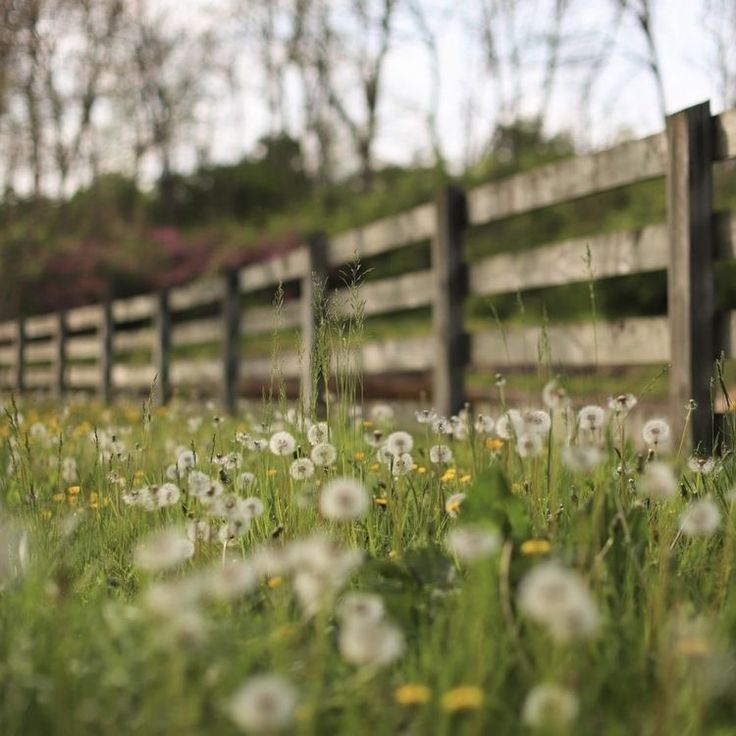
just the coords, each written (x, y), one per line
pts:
(360, 609)
(591, 417)
(510, 425)
(282, 443)
(399, 443)
(658, 481)
(550, 706)
(470, 543)
(701, 465)
(264, 704)
(344, 499)
(700, 518)
(440, 454)
(402, 465)
(301, 469)
(537, 421)
(656, 432)
(484, 424)
(371, 645)
(163, 550)
(318, 433)
(323, 454)
(529, 444)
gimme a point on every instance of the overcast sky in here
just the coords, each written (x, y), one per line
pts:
(623, 104)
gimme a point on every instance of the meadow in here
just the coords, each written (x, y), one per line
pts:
(536, 569)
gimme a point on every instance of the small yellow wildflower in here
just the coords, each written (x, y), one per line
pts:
(271, 472)
(138, 475)
(412, 694)
(516, 488)
(465, 697)
(494, 444)
(421, 470)
(467, 478)
(72, 500)
(367, 423)
(448, 475)
(58, 497)
(161, 411)
(694, 647)
(381, 502)
(375, 466)
(274, 582)
(73, 490)
(393, 554)
(359, 456)
(535, 547)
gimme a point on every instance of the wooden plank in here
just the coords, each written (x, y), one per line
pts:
(8, 355)
(230, 317)
(449, 288)
(690, 279)
(133, 376)
(41, 326)
(81, 318)
(185, 372)
(402, 354)
(725, 230)
(288, 267)
(389, 233)
(128, 340)
(8, 331)
(162, 346)
(257, 320)
(39, 378)
(410, 291)
(40, 352)
(83, 347)
(195, 294)
(288, 364)
(313, 298)
(639, 341)
(618, 254)
(134, 308)
(82, 376)
(725, 135)
(627, 163)
(730, 336)
(196, 332)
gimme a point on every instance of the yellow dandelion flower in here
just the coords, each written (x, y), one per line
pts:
(58, 497)
(274, 582)
(73, 490)
(138, 475)
(359, 456)
(467, 478)
(516, 488)
(465, 697)
(393, 554)
(375, 466)
(535, 547)
(367, 424)
(72, 500)
(271, 472)
(93, 505)
(494, 444)
(694, 647)
(448, 475)
(421, 470)
(412, 694)
(381, 502)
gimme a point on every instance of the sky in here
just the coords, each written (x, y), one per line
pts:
(623, 104)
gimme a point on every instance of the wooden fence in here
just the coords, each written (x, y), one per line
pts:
(85, 348)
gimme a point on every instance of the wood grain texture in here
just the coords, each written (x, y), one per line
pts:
(291, 266)
(42, 326)
(387, 234)
(725, 135)
(640, 341)
(617, 254)
(690, 278)
(627, 163)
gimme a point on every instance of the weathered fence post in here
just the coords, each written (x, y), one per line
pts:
(690, 285)
(59, 384)
(230, 340)
(107, 329)
(450, 288)
(314, 280)
(20, 354)
(162, 345)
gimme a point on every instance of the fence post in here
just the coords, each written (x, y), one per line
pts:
(230, 341)
(314, 282)
(107, 328)
(162, 345)
(690, 285)
(59, 385)
(20, 354)
(450, 287)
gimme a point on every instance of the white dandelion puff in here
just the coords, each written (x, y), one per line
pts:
(318, 433)
(360, 608)
(163, 550)
(700, 518)
(323, 454)
(425, 416)
(453, 504)
(399, 443)
(484, 424)
(264, 704)
(382, 414)
(510, 425)
(186, 460)
(441, 425)
(282, 443)
(344, 499)
(440, 454)
(701, 465)
(371, 645)
(402, 465)
(529, 444)
(472, 542)
(301, 469)
(550, 706)
(167, 494)
(554, 395)
(537, 421)
(658, 481)
(253, 507)
(655, 432)
(581, 458)
(591, 418)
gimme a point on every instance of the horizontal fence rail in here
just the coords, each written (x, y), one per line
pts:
(127, 344)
